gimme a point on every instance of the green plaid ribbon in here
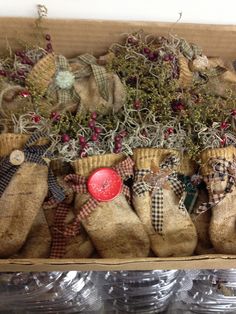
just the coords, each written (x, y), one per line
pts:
(99, 73)
(147, 181)
(191, 192)
(64, 95)
(189, 50)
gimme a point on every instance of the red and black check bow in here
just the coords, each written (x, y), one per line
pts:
(79, 185)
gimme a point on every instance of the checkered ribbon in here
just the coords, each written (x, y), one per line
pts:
(99, 72)
(223, 170)
(58, 238)
(64, 95)
(148, 181)
(33, 154)
(79, 185)
(191, 192)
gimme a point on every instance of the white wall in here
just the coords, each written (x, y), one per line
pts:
(199, 11)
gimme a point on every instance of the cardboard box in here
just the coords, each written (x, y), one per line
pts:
(72, 37)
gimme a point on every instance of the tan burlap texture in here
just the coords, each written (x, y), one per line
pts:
(179, 236)
(79, 246)
(113, 227)
(22, 199)
(222, 226)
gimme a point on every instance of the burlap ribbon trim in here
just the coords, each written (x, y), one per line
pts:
(223, 169)
(33, 154)
(149, 181)
(79, 185)
(64, 95)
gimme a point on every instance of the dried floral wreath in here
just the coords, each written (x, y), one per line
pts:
(173, 96)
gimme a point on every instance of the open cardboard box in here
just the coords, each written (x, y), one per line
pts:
(72, 37)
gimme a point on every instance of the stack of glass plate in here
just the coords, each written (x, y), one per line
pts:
(55, 293)
(212, 291)
(143, 292)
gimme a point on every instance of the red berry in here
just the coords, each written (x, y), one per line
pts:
(146, 50)
(55, 116)
(49, 46)
(223, 141)
(24, 93)
(233, 112)
(137, 104)
(117, 150)
(91, 124)
(65, 138)
(171, 57)
(170, 130)
(118, 138)
(166, 58)
(82, 140)
(118, 145)
(36, 118)
(123, 133)
(97, 130)
(94, 137)
(224, 125)
(21, 72)
(3, 73)
(94, 115)
(48, 37)
(152, 56)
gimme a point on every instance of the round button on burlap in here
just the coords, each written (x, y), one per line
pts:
(17, 157)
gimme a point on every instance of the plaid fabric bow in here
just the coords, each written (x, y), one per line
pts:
(34, 154)
(68, 93)
(98, 71)
(148, 181)
(223, 170)
(79, 185)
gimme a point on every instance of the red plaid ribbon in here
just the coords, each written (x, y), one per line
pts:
(58, 238)
(223, 169)
(78, 184)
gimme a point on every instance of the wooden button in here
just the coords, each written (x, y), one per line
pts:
(104, 184)
(17, 157)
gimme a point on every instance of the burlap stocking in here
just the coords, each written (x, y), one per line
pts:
(158, 203)
(23, 186)
(38, 242)
(58, 217)
(218, 170)
(112, 225)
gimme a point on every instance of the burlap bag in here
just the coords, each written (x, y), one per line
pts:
(98, 90)
(113, 227)
(22, 198)
(157, 200)
(38, 242)
(202, 225)
(23, 186)
(218, 170)
(79, 246)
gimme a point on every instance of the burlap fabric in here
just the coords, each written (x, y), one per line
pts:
(113, 227)
(22, 199)
(176, 234)
(218, 170)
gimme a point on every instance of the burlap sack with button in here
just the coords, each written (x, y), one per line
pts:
(159, 202)
(58, 215)
(219, 172)
(24, 183)
(38, 242)
(113, 227)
